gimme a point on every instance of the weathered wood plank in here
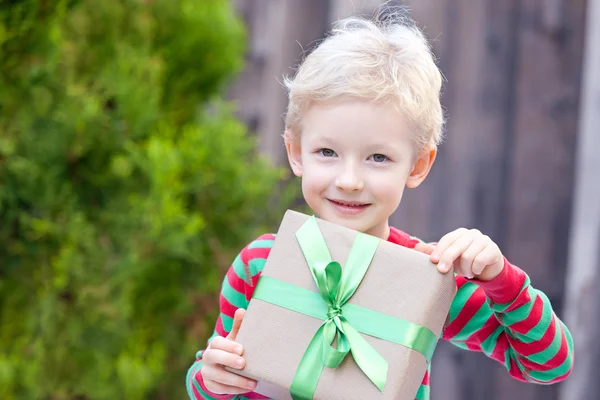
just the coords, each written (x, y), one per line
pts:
(582, 305)
(415, 214)
(542, 153)
(280, 31)
(477, 58)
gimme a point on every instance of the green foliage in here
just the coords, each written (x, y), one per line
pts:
(126, 187)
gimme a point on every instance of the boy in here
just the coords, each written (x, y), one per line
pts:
(364, 120)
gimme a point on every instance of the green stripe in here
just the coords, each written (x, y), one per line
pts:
(239, 268)
(197, 365)
(518, 314)
(202, 392)
(261, 244)
(503, 307)
(256, 265)
(417, 239)
(507, 356)
(227, 322)
(475, 323)
(545, 355)
(489, 344)
(462, 296)
(423, 393)
(460, 344)
(233, 296)
(190, 376)
(538, 331)
(565, 366)
(554, 373)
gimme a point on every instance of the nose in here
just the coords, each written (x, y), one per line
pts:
(349, 179)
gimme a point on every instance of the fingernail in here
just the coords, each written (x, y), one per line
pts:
(443, 267)
(239, 350)
(239, 362)
(250, 385)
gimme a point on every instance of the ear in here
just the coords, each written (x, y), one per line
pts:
(421, 167)
(294, 152)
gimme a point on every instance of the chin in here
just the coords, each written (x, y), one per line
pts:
(357, 224)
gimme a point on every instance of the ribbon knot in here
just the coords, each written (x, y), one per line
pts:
(334, 311)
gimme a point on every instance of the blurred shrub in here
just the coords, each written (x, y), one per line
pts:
(126, 187)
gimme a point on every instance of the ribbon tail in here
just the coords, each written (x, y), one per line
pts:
(309, 370)
(333, 357)
(374, 366)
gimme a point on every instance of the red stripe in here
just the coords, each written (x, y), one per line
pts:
(472, 305)
(555, 380)
(474, 341)
(555, 361)
(499, 352)
(235, 281)
(534, 317)
(255, 396)
(527, 349)
(426, 378)
(460, 281)
(226, 307)
(515, 372)
(411, 243)
(560, 378)
(254, 282)
(522, 299)
(258, 252)
(197, 395)
(219, 327)
(266, 236)
(200, 380)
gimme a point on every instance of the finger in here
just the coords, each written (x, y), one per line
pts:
(488, 256)
(227, 345)
(455, 251)
(214, 356)
(425, 248)
(468, 257)
(238, 385)
(445, 242)
(237, 322)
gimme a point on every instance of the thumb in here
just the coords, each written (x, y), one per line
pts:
(237, 322)
(425, 248)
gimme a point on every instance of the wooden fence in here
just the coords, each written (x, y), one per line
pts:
(510, 161)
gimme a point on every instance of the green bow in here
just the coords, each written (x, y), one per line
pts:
(341, 319)
(335, 289)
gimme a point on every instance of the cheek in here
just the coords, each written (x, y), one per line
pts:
(315, 180)
(389, 187)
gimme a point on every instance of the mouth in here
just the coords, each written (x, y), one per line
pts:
(349, 207)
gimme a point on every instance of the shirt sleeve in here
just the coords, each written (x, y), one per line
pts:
(236, 291)
(513, 323)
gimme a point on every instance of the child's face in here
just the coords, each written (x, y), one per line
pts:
(355, 158)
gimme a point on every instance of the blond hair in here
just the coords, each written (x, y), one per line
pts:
(387, 60)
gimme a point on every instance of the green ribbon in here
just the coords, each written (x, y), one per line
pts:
(342, 320)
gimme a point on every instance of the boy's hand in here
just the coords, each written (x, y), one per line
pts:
(473, 254)
(225, 352)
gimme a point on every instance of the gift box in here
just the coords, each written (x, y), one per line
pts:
(338, 314)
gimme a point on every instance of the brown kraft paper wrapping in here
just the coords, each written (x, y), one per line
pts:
(400, 282)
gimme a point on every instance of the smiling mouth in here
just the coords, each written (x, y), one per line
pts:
(350, 204)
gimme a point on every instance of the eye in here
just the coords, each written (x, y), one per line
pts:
(379, 158)
(327, 153)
